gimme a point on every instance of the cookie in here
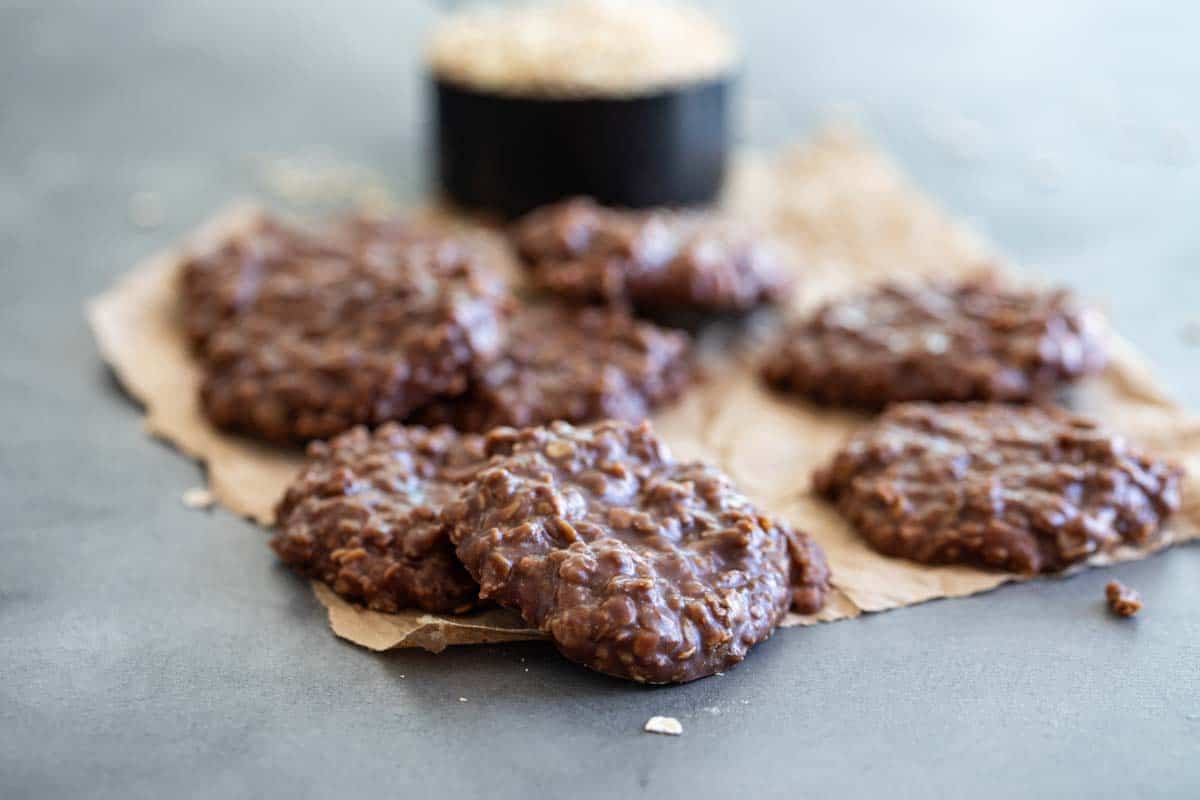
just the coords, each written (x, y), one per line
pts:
(1026, 489)
(652, 260)
(304, 335)
(1122, 600)
(810, 574)
(636, 565)
(938, 341)
(363, 517)
(575, 365)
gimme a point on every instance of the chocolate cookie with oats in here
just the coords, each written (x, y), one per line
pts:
(304, 335)
(363, 517)
(576, 365)
(810, 573)
(636, 565)
(1021, 488)
(653, 260)
(971, 340)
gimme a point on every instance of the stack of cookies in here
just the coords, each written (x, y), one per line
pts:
(473, 442)
(305, 333)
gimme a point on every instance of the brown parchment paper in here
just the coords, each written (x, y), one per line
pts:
(851, 218)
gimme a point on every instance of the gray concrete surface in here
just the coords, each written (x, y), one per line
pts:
(151, 651)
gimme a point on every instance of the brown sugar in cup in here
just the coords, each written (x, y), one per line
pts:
(624, 102)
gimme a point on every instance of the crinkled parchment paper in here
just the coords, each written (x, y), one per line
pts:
(852, 218)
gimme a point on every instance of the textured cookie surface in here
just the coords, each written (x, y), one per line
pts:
(304, 335)
(938, 341)
(650, 259)
(363, 516)
(575, 365)
(635, 564)
(1022, 488)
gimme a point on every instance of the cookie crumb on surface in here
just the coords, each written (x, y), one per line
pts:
(667, 726)
(1122, 600)
(199, 498)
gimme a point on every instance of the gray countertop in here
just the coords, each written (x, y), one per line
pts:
(151, 651)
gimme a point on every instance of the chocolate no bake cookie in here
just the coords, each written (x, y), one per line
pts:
(810, 572)
(363, 516)
(576, 365)
(653, 260)
(635, 564)
(970, 340)
(1022, 488)
(304, 335)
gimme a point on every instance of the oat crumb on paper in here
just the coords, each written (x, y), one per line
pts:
(667, 726)
(314, 180)
(1122, 600)
(198, 498)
